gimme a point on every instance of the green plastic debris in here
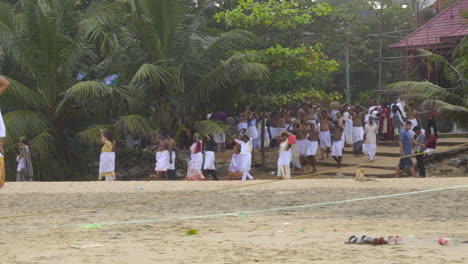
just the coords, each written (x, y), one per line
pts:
(91, 226)
(301, 230)
(191, 232)
(242, 215)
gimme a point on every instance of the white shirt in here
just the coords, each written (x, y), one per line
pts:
(246, 147)
(371, 133)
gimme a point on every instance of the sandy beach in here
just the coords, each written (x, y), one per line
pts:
(134, 233)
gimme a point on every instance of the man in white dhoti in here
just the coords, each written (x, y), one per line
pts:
(163, 156)
(338, 144)
(171, 170)
(358, 130)
(246, 155)
(194, 172)
(284, 157)
(107, 158)
(325, 140)
(371, 131)
(209, 167)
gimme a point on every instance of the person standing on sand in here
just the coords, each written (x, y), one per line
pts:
(338, 144)
(406, 146)
(24, 171)
(209, 167)
(107, 158)
(194, 172)
(358, 130)
(370, 136)
(284, 157)
(325, 139)
(245, 154)
(312, 146)
(163, 156)
(419, 147)
(171, 170)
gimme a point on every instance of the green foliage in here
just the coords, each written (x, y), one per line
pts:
(191, 232)
(272, 14)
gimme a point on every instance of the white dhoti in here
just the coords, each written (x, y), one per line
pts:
(325, 140)
(303, 145)
(209, 161)
(246, 165)
(348, 132)
(267, 137)
(194, 168)
(337, 149)
(296, 156)
(241, 126)
(235, 163)
(371, 149)
(312, 147)
(107, 166)
(162, 161)
(220, 138)
(284, 161)
(358, 134)
(414, 122)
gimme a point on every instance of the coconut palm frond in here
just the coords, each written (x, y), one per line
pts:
(91, 135)
(233, 40)
(228, 73)
(424, 90)
(212, 127)
(24, 123)
(152, 73)
(18, 96)
(452, 112)
(136, 125)
(42, 145)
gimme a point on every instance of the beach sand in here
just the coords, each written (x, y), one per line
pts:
(298, 235)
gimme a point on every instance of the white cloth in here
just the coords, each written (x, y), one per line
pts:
(220, 138)
(235, 163)
(209, 161)
(2, 127)
(312, 147)
(246, 147)
(303, 145)
(337, 148)
(274, 131)
(348, 132)
(267, 136)
(107, 162)
(245, 161)
(284, 161)
(109, 178)
(371, 149)
(296, 156)
(196, 161)
(428, 151)
(325, 140)
(358, 134)
(172, 165)
(333, 113)
(252, 129)
(241, 126)
(21, 163)
(162, 160)
(371, 133)
(414, 122)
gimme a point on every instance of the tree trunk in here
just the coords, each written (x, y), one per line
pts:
(262, 142)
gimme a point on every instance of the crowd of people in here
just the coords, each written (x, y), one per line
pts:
(301, 133)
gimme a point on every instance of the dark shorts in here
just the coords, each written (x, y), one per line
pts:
(405, 163)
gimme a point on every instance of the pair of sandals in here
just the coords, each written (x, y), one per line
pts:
(365, 240)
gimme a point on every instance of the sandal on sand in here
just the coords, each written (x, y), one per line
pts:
(391, 240)
(398, 240)
(365, 240)
(378, 241)
(352, 240)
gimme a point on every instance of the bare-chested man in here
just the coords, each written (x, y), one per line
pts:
(301, 131)
(325, 140)
(358, 113)
(163, 156)
(413, 116)
(312, 146)
(171, 171)
(338, 144)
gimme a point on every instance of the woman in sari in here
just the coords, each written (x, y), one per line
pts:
(194, 172)
(25, 169)
(107, 158)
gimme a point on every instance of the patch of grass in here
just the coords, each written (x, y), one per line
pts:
(191, 232)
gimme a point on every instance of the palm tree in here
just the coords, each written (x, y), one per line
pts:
(452, 100)
(166, 71)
